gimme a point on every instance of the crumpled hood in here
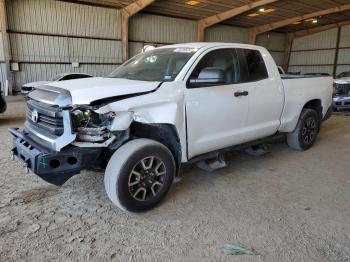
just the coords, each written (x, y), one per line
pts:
(87, 90)
(36, 84)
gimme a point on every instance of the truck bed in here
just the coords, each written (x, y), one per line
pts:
(298, 91)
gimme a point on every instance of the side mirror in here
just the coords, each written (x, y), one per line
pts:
(209, 76)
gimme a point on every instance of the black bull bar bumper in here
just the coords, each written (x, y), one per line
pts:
(53, 167)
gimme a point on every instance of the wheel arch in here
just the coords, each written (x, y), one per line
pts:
(165, 134)
(315, 104)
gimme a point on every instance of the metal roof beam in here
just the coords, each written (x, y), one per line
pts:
(319, 29)
(217, 18)
(272, 26)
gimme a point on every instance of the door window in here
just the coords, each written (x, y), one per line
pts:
(253, 64)
(224, 59)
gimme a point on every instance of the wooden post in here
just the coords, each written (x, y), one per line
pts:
(252, 36)
(126, 13)
(200, 32)
(6, 44)
(125, 35)
(335, 64)
(287, 51)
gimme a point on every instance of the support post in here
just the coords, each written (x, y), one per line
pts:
(336, 56)
(125, 35)
(200, 32)
(287, 51)
(252, 36)
(6, 44)
(126, 13)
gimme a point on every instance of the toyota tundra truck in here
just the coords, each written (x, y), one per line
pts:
(176, 104)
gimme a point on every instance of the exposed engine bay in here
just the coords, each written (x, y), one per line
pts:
(90, 126)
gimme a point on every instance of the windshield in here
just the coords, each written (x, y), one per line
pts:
(155, 65)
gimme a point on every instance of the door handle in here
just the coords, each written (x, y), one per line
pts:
(244, 93)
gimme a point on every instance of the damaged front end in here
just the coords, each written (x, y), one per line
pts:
(58, 142)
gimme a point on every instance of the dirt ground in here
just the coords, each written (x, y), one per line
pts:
(287, 205)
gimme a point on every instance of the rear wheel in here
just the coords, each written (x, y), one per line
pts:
(2, 103)
(139, 175)
(304, 135)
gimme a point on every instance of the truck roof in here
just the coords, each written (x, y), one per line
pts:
(212, 44)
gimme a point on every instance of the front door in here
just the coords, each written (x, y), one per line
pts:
(216, 115)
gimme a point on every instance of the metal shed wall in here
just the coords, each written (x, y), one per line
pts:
(344, 50)
(225, 33)
(160, 29)
(316, 53)
(46, 36)
(274, 42)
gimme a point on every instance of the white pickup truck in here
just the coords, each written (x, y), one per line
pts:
(168, 106)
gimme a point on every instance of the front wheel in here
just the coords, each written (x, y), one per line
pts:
(306, 131)
(139, 175)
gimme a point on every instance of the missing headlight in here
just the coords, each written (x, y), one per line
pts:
(90, 126)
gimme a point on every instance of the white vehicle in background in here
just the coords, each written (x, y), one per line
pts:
(29, 87)
(177, 104)
(341, 99)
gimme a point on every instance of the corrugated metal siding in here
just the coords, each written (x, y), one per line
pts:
(278, 57)
(36, 72)
(342, 68)
(223, 33)
(318, 57)
(153, 28)
(345, 36)
(135, 48)
(56, 17)
(344, 56)
(60, 20)
(38, 48)
(2, 57)
(311, 69)
(2, 74)
(271, 41)
(326, 39)
(318, 61)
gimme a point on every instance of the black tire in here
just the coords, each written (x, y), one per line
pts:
(3, 105)
(126, 175)
(306, 131)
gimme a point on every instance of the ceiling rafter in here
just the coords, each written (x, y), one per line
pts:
(217, 18)
(315, 30)
(269, 27)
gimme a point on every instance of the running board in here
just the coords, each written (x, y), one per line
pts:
(211, 164)
(258, 150)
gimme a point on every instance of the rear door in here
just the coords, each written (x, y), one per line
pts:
(264, 91)
(215, 116)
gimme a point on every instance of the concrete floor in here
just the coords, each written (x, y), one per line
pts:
(287, 205)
